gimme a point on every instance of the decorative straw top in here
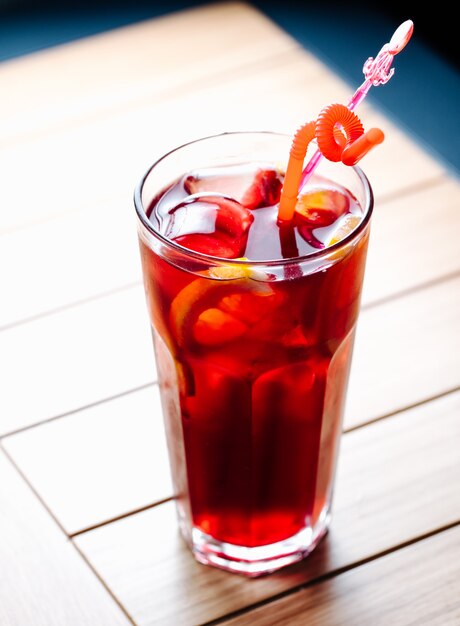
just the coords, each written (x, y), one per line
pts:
(340, 135)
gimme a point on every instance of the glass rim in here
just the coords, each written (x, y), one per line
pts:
(201, 256)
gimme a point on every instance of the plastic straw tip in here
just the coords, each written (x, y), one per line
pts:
(359, 148)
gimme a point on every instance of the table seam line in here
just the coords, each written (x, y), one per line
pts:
(409, 407)
(399, 295)
(120, 517)
(84, 407)
(61, 528)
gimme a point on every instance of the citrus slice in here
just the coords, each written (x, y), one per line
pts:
(322, 207)
(214, 327)
(347, 226)
(211, 312)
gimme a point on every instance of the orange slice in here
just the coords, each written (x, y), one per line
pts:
(214, 327)
(347, 226)
(322, 207)
(212, 312)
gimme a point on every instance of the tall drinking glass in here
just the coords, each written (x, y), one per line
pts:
(253, 359)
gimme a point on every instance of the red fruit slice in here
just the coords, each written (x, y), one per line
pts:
(213, 245)
(317, 218)
(232, 218)
(322, 208)
(265, 190)
(317, 209)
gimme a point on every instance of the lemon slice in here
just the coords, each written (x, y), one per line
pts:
(201, 310)
(347, 226)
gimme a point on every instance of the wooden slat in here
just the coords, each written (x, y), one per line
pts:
(417, 585)
(44, 581)
(413, 240)
(102, 159)
(67, 260)
(99, 463)
(387, 493)
(396, 261)
(112, 152)
(74, 358)
(406, 351)
(49, 89)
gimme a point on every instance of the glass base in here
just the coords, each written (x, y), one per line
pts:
(260, 560)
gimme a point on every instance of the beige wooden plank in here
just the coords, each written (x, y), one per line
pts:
(403, 230)
(44, 581)
(112, 152)
(406, 351)
(387, 493)
(419, 584)
(99, 463)
(96, 350)
(46, 90)
(413, 240)
(74, 358)
(102, 159)
(68, 259)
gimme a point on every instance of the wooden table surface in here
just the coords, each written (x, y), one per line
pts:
(88, 533)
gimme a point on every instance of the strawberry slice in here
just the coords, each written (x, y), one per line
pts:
(264, 191)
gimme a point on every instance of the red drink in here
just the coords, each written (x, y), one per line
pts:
(253, 355)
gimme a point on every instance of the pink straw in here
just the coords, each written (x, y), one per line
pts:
(377, 72)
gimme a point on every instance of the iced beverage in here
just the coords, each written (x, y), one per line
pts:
(253, 324)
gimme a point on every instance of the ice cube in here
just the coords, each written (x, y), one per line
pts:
(254, 189)
(232, 181)
(210, 223)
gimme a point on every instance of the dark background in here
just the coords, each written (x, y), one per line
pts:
(424, 93)
(435, 24)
